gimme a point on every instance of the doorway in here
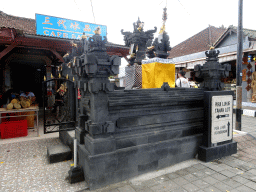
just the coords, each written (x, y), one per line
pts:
(28, 77)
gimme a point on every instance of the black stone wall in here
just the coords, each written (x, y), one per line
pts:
(145, 130)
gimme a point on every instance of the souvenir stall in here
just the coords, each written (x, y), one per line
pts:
(18, 116)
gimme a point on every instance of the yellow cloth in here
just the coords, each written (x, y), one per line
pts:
(155, 74)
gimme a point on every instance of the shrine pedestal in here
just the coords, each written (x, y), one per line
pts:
(218, 134)
(211, 153)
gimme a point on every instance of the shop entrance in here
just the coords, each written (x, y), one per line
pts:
(28, 77)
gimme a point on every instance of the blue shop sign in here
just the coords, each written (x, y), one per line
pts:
(65, 28)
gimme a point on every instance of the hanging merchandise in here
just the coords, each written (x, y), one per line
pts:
(249, 74)
(253, 85)
(78, 94)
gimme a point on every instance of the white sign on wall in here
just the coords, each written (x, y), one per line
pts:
(222, 119)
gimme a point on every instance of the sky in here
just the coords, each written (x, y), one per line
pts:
(185, 18)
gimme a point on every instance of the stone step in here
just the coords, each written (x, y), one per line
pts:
(67, 138)
(59, 153)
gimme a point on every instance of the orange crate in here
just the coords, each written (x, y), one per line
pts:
(14, 129)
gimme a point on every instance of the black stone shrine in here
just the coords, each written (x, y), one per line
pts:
(125, 133)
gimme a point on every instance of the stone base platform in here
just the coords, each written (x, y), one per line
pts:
(124, 163)
(211, 153)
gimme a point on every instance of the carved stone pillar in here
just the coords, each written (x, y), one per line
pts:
(91, 71)
(212, 71)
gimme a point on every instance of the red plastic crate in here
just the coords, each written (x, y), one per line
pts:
(14, 129)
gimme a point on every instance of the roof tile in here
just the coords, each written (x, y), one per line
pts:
(197, 43)
(28, 26)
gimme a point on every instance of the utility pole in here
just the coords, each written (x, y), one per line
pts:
(239, 66)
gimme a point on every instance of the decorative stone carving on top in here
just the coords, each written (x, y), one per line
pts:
(161, 45)
(138, 41)
(212, 71)
(95, 62)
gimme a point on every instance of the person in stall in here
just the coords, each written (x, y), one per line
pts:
(182, 81)
(28, 95)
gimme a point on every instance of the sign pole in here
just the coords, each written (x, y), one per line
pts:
(239, 66)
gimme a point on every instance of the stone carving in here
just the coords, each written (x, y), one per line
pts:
(161, 45)
(95, 62)
(212, 71)
(138, 41)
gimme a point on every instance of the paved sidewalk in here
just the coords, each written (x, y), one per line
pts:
(24, 166)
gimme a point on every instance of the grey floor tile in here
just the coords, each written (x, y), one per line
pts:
(211, 189)
(216, 167)
(191, 169)
(244, 167)
(144, 190)
(200, 174)
(224, 166)
(161, 179)
(179, 189)
(244, 188)
(247, 175)
(236, 171)
(227, 173)
(190, 187)
(112, 187)
(253, 171)
(144, 184)
(190, 177)
(240, 179)
(210, 180)
(173, 175)
(226, 159)
(126, 188)
(219, 176)
(200, 183)
(182, 172)
(251, 185)
(180, 181)
(234, 190)
(208, 171)
(199, 166)
(232, 163)
(253, 179)
(222, 186)
(165, 186)
(231, 182)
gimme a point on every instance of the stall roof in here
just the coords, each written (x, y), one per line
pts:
(197, 43)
